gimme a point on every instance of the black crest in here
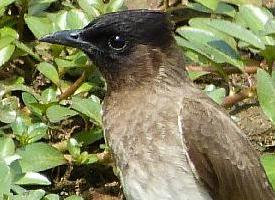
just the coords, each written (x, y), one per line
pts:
(145, 26)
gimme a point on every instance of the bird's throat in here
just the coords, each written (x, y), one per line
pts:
(146, 66)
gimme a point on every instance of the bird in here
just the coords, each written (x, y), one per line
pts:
(169, 140)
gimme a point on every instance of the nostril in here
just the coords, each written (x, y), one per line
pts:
(74, 36)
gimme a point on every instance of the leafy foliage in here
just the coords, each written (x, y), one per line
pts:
(46, 89)
(39, 96)
(220, 41)
(268, 161)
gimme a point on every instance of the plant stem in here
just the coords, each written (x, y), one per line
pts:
(227, 70)
(21, 20)
(73, 87)
(244, 94)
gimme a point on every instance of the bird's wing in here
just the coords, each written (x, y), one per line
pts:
(223, 157)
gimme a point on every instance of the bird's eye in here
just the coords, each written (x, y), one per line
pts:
(117, 43)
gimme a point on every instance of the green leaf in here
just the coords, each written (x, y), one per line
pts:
(19, 126)
(199, 7)
(36, 131)
(39, 109)
(40, 26)
(8, 108)
(30, 195)
(62, 63)
(223, 8)
(5, 41)
(206, 37)
(49, 95)
(76, 19)
(90, 107)
(2, 12)
(56, 113)
(269, 28)
(51, 197)
(89, 137)
(209, 45)
(254, 17)
(39, 157)
(6, 53)
(266, 94)
(85, 87)
(212, 4)
(7, 147)
(114, 5)
(37, 6)
(33, 178)
(91, 158)
(16, 172)
(9, 160)
(73, 19)
(268, 161)
(26, 49)
(74, 197)
(89, 8)
(217, 94)
(4, 3)
(6, 178)
(269, 53)
(49, 71)
(28, 98)
(58, 20)
(194, 57)
(241, 2)
(73, 147)
(236, 31)
(79, 58)
(30, 101)
(18, 189)
(21, 87)
(196, 47)
(73, 61)
(195, 75)
(7, 31)
(202, 23)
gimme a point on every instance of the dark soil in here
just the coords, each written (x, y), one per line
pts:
(256, 126)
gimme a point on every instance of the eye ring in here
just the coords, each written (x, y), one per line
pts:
(117, 43)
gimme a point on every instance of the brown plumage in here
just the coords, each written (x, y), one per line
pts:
(169, 140)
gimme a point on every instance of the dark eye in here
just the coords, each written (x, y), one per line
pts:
(117, 42)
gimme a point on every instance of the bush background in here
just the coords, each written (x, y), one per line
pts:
(51, 138)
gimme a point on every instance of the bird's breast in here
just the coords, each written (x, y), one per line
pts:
(148, 145)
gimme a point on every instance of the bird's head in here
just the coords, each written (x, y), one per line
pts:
(127, 46)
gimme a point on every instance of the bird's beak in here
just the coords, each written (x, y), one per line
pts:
(70, 38)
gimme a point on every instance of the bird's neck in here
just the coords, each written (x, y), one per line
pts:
(147, 67)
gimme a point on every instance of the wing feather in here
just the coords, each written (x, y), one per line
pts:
(222, 155)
